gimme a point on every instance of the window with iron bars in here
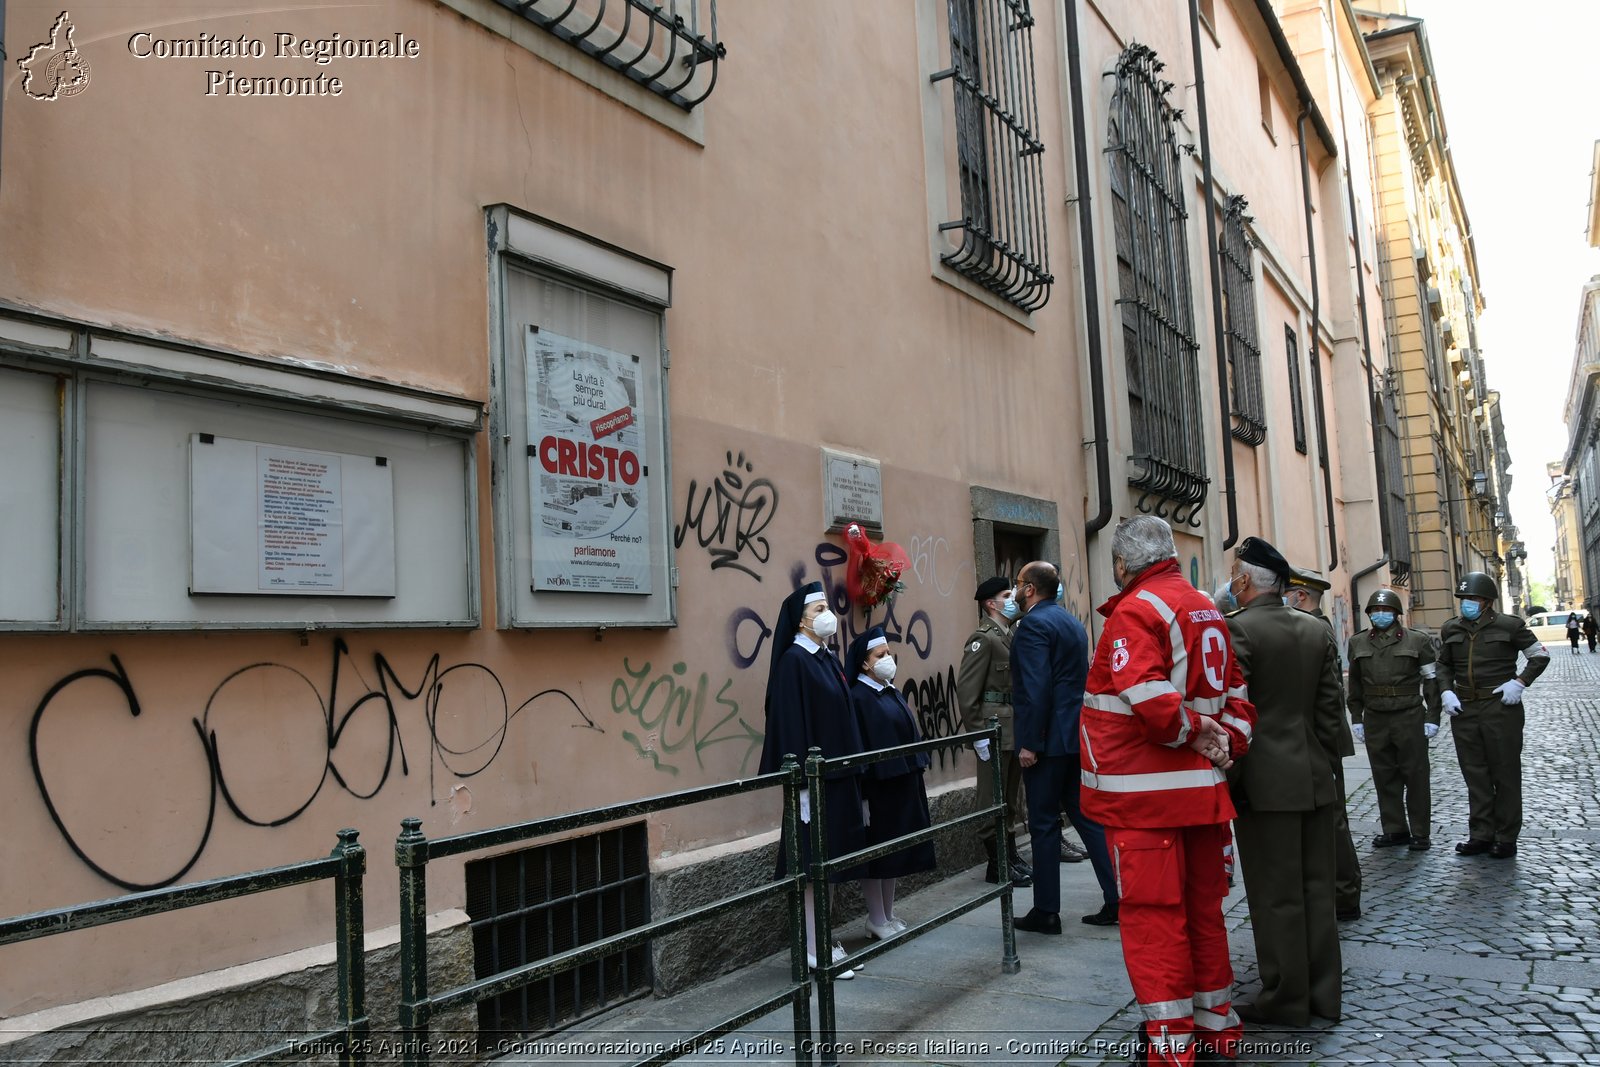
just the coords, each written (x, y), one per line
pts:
(538, 902)
(1395, 515)
(1156, 298)
(670, 48)
(1297, 400)
(999, 165)
(1239, 314)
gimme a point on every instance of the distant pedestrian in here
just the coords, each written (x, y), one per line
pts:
(808, 705)
(1049, 665)
(1166, 711)
(897, 802)
(1591, 629)
(1482, 692)
(1574, 631)
(1393, 697)
(1286, 793)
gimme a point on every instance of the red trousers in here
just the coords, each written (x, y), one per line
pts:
(1170, 884)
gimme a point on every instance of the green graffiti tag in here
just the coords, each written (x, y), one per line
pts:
(675, 721)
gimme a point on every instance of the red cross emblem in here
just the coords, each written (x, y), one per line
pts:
(1214, 657)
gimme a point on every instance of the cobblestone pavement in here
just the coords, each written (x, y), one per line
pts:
(1469, 960)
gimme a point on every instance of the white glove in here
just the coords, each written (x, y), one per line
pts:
(1450, 702)
(1511, 692)
(1360, 732)
(982, 749)
(1430, 730)
(805, 805)
(866, 814)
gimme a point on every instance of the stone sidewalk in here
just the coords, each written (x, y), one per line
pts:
(1455, 960)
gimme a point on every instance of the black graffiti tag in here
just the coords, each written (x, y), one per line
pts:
(740, 511)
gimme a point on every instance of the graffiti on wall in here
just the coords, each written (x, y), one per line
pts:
(674, 720)
(934, 702)
(730, 517)
(465, 711)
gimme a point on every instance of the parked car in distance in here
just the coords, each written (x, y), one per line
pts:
(1551, 626)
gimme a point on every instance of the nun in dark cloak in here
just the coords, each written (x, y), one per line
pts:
(896, 797)
(808, 705)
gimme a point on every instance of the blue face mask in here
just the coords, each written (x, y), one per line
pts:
(1225, 600)
(1471, 609)
(1009, 607)
(1382, 619)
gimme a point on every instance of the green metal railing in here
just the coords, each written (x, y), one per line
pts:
(822, 864)
(413, 851)
(345, 865)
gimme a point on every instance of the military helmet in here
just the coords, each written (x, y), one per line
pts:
(1385, 598)
(1477, 583)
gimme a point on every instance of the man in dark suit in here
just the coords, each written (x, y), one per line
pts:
(1049, 667)
(1286, 793)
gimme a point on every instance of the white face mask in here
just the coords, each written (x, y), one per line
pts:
(825, 624)
(883, 670)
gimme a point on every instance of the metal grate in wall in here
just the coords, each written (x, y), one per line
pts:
(1156, 299)
(529, 905)
(670, 48)
(998, 151)
(1249, 409)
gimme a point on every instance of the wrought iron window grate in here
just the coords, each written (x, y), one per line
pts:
(670, 48)
(1297, 398)
(1395, 514)
(1003, 245)
(1239, 313)
(531, 904)
(1156, 298)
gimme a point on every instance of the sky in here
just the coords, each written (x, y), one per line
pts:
(1522, 114)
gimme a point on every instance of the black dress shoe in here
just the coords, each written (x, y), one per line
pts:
(1502, 850)
(1106, 916)
(1039, 922)
(1250, 1013)
(1473, 847)
(1345, 915)
(1021, 879)
(1421, 844)
(1390, 840)
(1071, 853)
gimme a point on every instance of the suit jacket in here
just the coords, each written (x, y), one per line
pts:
(1291, 664)
(1049, 666)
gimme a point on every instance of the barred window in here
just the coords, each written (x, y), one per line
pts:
(1297, 400)
(1001, 231)
(1156, 298)
(670, 48)
(1395, 514)
(1239, 314)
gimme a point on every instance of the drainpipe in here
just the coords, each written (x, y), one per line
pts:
(1355, 581)
(1223, 400)
(1091, 278)
(1316, 363)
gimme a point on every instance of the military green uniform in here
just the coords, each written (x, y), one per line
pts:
(983, 688)
(1347, 865)
(1476, 658)
(1393, 690)
(1288, 801)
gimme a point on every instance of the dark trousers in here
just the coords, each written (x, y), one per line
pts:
(1347, 865)
(1052, 786)
(1488, 737)
(1288, 861)
(1398, 751)
(1011, 778)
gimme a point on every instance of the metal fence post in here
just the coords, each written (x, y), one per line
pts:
(1009, 963)
(827, 1026)
(798, 971)
(411, 856)
(350, 935)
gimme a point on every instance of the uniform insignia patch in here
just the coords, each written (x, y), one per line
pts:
(1119, 658)
(974, 646)
(1119, 642)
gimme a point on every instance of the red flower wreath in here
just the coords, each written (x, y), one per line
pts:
(874, 571)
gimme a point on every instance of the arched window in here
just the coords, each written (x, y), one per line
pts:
(1239, 312)
(1155, 296)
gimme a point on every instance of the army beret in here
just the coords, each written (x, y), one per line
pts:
(1310, 580)
(993, 587)
(1261, 553)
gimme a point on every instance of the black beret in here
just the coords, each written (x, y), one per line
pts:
(993, 587)
(1262, 554)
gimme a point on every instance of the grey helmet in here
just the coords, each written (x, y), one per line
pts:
(1477, 583)
(1385, 598)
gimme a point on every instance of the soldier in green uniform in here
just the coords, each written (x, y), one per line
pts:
(983, 688)
(1482, 691)
(1305, 593)
(1392, 676)
(1285, 793)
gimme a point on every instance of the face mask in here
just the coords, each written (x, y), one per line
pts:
(825, 624)
(1225, 600)
(1010, 608)
(1382, 619)
(1285, 601)
(883, 670)
(1471, 609)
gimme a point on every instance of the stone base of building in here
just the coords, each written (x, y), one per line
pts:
(237, 1011)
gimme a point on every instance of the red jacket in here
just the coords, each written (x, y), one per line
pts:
(1164, 657)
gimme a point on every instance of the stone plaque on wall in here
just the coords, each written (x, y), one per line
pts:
(852, 491)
